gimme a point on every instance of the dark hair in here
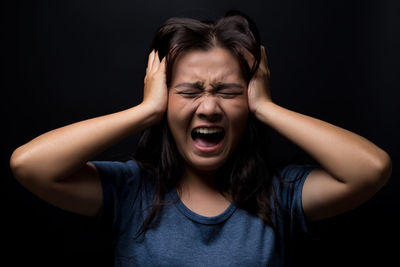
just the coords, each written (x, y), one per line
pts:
(235, 32)
(246, 175)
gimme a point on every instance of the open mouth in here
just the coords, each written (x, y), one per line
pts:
(207, 136)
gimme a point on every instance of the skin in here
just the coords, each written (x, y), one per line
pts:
(54, 165)
(353, 168)
(191, 106)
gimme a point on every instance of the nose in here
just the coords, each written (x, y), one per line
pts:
(209, 108)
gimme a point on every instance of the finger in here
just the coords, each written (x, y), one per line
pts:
(247, 56)
(264, 61)
(264, 54)
(150, 61)
(156, 62)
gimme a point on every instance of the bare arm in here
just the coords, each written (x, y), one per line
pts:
(353, 168)
(54, 165)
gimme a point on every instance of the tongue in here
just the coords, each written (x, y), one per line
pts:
(204, 142)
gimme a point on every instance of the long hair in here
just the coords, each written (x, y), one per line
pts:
(246, 175)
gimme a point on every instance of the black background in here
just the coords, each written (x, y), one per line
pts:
(65, 61)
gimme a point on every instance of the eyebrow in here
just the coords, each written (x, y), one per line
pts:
(218, 86)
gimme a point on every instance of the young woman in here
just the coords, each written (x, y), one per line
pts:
(200, 191)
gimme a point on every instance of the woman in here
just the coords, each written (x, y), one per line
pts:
(200, 191)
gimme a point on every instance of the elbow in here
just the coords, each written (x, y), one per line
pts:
(381, 169)
(20, 165)
(17, 164)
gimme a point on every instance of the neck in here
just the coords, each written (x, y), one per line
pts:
(198, 178)
(195, 181)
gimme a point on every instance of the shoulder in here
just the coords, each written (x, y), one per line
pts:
(129, 167)
(288, 183)
(122, 186)
(117, 169)
(118, 173)
(295, 172)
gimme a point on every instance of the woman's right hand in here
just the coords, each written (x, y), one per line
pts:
(54, 166)
(155, 95)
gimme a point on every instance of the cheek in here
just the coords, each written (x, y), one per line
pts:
(172, 114)
(238, 114)
(238, 109)
(241, 122)
(178, 116)
(172, 106)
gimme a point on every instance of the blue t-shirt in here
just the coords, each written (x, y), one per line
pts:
(184, 238)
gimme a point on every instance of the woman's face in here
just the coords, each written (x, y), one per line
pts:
(207, 107)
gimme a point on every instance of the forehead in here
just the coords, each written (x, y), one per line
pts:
(214, 64)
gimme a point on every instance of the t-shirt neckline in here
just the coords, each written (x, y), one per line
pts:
(200, 218)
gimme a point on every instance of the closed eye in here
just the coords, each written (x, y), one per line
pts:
(189, 93)
(230, 93)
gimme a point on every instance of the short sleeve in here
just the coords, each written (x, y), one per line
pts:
(288, 188)
(120, 183)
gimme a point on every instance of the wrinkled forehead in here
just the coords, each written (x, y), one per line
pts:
(216, 64)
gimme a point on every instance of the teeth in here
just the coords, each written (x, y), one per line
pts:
(211, 130)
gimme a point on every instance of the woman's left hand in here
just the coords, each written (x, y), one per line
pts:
(258, 90)
(352, 169)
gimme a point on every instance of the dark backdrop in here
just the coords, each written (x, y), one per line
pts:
(65, 61)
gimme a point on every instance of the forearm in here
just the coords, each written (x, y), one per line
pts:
(59, 153)
(345, 155)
